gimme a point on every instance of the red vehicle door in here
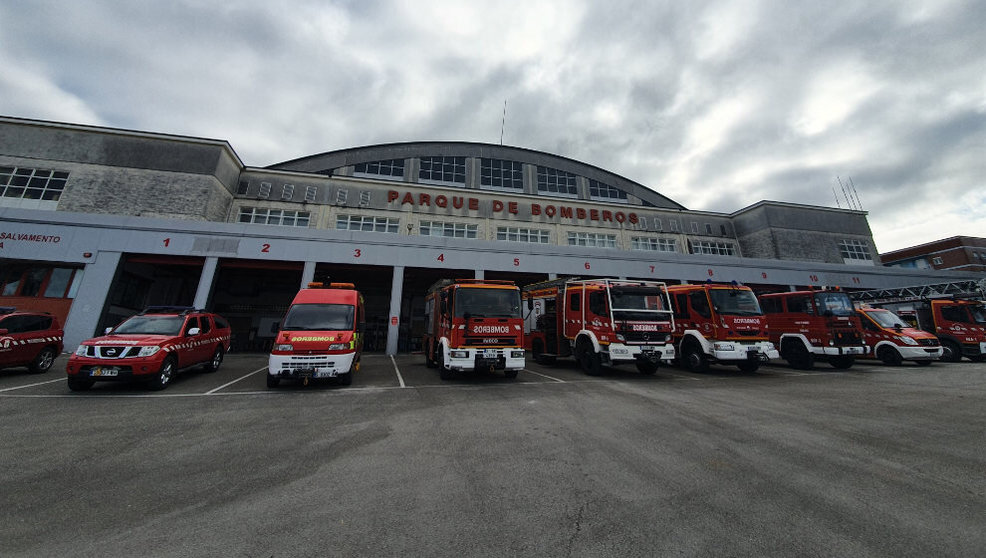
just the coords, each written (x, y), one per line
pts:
(14, 349)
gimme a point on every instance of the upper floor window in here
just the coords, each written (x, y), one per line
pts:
(390, 169)
(600, 191)
(454, 230)
(654, 244)
(713, 248)
(557, 182)
(520, 234)
(599, 240)
(443, 170)
(367, 223)
(497, 173)
(266, 216)
(854, 250)
(31, 184)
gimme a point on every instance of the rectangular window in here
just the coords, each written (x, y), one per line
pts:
(854, 250)
(557, 182)
(653, 244)
(264, 190)
(598, 240)
(243, 187)
(519, 234)
(657, 224)
(32, 184)
(936, 260)
(342, 196)
(694, 227)
(391, 169)
(674, 226)
(453, 230)
(600, 191)
(310, 193)
(708, 229)
(287, 192)
(266, 216)
(364, 199)
(443, 170)
(367, 223)
(713, 248)
(500, 174)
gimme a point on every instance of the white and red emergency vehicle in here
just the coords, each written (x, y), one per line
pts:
(814, 325)
(321, 336)
(893, 340)
(599, 321)
(473, 324)
(718, 323)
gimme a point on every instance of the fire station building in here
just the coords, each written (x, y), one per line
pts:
(98, 223)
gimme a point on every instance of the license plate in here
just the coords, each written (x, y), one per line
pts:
(102, 372)
(853, 351)
(491, 353)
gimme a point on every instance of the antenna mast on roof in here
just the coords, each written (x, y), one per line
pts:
(837, 203)
(503, 121)
(845, 194)
(859, 203)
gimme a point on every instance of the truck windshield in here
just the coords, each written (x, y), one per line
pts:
(487, 303)
(151, 325)
(319, 317)
(637, 298)
(886, 318)
(737, 302)
(836, 303)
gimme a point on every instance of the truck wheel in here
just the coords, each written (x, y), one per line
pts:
(591, 362)
(164, 376)
(842, 362)
(80, 384)
(646, 367)
(444, 372)
(272, 381)
(889, 356)
(537, 347)
(749, 366)
(798, 356)
(693, 358)
(217, 359)
(43, 361)
(950, 351)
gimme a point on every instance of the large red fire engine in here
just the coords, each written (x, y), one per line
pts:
(816, 324)
(599, 321)
(473, 324)
(954, 312)
(719, 323)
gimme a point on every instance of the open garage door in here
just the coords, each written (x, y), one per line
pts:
(374, 283)
(253, 296)
(144, 280)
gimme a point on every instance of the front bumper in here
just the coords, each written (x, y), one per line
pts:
(909, 352)
(620, 353)
(735, 351)
(310, 366)
(114, 369)
(855, 350)
(486, 359)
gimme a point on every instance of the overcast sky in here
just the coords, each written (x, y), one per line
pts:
(716, 105)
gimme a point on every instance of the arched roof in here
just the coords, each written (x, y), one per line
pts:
(327, 162)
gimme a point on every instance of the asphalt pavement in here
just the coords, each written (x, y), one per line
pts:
(870, 461)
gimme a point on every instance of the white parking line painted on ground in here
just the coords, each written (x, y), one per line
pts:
(210, 392)
(544, 376)
(398, 371)
(32, 385)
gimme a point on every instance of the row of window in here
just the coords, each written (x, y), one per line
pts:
(30, 280)
(854, 250)
(32, 184)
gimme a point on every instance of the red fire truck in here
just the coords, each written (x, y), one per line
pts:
(815, 324)
(719, 323)
(321, 336)
(954, 312)
(599, 321)
(473, 324)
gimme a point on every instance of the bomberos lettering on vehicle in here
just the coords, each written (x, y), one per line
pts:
(490, 329)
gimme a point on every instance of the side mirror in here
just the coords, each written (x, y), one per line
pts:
(898, 328)
(194, 331)
(107, 330)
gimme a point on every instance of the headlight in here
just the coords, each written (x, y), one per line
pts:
(907, 340)
(338, 346)
(460, 354)
(81, 350)
(620, 338)
(516, 354)
(148, 351)
(724, 347)
(284, 348)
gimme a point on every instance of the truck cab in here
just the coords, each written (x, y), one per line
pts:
(814, 325)
(321, 336)
(718, 323)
